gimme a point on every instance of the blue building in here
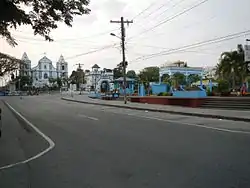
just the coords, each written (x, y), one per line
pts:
(130, 85)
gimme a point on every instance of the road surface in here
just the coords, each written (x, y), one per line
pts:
(105, 147)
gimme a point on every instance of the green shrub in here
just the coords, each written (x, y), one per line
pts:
(160, 94)
(166, 94)
(223, 86)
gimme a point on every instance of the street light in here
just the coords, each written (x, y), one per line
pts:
(114, 35)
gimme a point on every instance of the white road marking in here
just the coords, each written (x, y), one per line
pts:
(190, 124)
(196, 125)
(51, 143)
(88, 117)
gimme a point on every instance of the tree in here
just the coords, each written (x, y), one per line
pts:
(149, 74)
(44, 16)
(65, 81)
(23, 81)
(193, 78)
(117, 73)
(8, 64)
(77, 77)
(166, 79)
(179, 79)
(131, 74)
(52, 81)
(59, 82)
(232, 67)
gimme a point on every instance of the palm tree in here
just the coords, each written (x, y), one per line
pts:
(231, 66)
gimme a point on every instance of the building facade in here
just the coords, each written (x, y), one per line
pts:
(99, 80)
(44, 70)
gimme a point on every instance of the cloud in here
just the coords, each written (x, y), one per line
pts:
(110, 8)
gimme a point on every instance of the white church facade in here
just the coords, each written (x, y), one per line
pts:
(99, 80)
(44, 70)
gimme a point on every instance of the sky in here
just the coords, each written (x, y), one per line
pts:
(158, 25)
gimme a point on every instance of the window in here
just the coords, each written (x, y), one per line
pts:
(45, 76)
(62, 67)
(45, 67)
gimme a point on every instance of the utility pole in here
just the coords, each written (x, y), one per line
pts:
(123, 52)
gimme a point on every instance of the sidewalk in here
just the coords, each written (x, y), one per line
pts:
(207, 113)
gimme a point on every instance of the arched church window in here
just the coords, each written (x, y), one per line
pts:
(45, 67)
(45, 76)
(63, 67)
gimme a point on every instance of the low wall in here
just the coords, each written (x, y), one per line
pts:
(188, 102)
(190, 94)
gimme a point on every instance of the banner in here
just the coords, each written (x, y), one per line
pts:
(247, 53)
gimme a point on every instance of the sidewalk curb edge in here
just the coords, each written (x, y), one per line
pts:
(163, 111)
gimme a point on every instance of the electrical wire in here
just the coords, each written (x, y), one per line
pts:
(144, 10)
(195, 45)
(93, 51)
(67, 39)
(171, 18)
(159, 8)
(167, 9)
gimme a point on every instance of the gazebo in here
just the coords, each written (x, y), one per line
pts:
(171, 70)
(130, 85)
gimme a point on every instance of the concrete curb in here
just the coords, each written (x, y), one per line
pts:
(164, 111)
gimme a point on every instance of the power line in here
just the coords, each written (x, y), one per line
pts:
(195, 45)
(173, 6)
(171, 18)
(159, 8)
(91, 36)
(66, 39)
(93, 51)
(144, 10)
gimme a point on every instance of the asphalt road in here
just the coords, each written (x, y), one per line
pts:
(104, 147)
